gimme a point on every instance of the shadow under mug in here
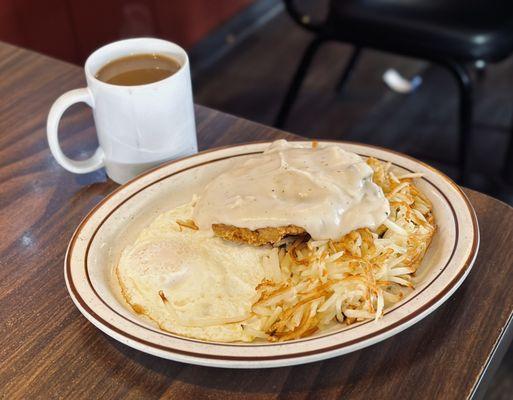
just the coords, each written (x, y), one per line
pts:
(138, 127)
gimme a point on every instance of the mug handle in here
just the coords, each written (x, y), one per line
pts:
(93, 163)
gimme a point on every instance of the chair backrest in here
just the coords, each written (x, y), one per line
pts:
(486, 14)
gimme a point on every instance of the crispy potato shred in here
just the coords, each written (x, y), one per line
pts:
(314, 284)
(189, 223)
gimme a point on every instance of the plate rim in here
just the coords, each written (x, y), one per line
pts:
(294, 358)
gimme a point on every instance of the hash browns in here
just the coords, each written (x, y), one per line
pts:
(315, 284)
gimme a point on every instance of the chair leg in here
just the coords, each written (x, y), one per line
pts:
(507, 169)
(465, 87)
(346, 74)
(297, 81)
(480, 67)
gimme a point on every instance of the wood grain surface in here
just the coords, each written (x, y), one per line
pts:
(49, 350)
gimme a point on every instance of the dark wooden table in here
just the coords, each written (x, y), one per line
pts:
(48, 350)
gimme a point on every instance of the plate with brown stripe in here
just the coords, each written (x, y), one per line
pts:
(98, 242)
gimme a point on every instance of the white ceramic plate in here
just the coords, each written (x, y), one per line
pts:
(96, 245)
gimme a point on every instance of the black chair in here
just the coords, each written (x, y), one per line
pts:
(451, 33)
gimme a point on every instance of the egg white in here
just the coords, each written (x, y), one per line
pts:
(190, 282)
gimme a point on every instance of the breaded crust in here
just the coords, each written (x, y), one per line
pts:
(257, 237)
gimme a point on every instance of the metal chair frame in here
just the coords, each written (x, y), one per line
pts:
(457, 68)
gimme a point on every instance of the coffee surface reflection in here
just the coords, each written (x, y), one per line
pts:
(138, 69)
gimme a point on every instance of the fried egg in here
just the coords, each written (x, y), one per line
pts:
(190, 282)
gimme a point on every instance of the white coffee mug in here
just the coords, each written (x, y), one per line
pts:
(138, 127)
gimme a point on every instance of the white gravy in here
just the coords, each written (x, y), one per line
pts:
(325, 190)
